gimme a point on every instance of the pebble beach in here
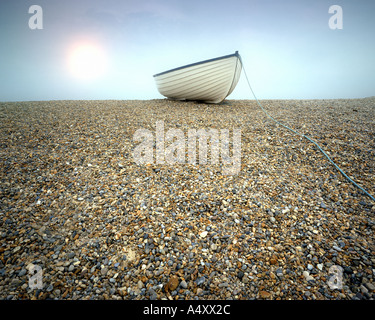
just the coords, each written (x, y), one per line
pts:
(100, 226)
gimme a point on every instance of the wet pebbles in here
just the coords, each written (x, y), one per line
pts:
(74, 203)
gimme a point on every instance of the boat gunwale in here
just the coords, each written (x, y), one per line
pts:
(236, 54)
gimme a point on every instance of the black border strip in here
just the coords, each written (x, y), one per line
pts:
(187, 309)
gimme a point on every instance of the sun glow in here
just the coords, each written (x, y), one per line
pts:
(87, 61)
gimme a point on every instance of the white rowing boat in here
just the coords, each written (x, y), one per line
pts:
(210, 81)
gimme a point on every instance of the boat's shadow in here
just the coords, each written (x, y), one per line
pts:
(200, 102)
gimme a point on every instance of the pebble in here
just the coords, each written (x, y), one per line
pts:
(264, 294)
(279, 272)
(214, 247)
(200, 281)
(152, 293)
(307, 276)
(172, 283)
(104, 271)
(245, 279)
(22, 273)
(370, 286)
(203, 234)
(140, 284)
(183, 284)
(74, 202)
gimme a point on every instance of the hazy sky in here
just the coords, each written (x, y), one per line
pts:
(287, 47)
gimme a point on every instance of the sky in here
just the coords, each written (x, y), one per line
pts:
(110, 49)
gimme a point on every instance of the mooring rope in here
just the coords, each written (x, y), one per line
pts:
(304, 136)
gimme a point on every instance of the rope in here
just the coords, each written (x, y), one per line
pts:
(302, 135)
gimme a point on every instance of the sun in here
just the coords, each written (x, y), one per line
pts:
(87, 61)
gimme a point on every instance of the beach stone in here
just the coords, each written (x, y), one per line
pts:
(70, 255)
(183, 284)
(200, 281)
(363, 289)
(307, 276)
(273, 260)
(245, 279)
(140, 284)
(152, 293)
(264, 294)
(279, 272)
(104, 271)
(370, 286)
(22, 272)
(214, 247)
(172, 283)
(223, 284)
(16, 282)
(348, 270)
(203, 234)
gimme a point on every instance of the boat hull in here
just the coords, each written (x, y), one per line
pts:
(210, 81)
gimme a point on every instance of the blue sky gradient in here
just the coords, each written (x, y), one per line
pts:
(287, 47)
